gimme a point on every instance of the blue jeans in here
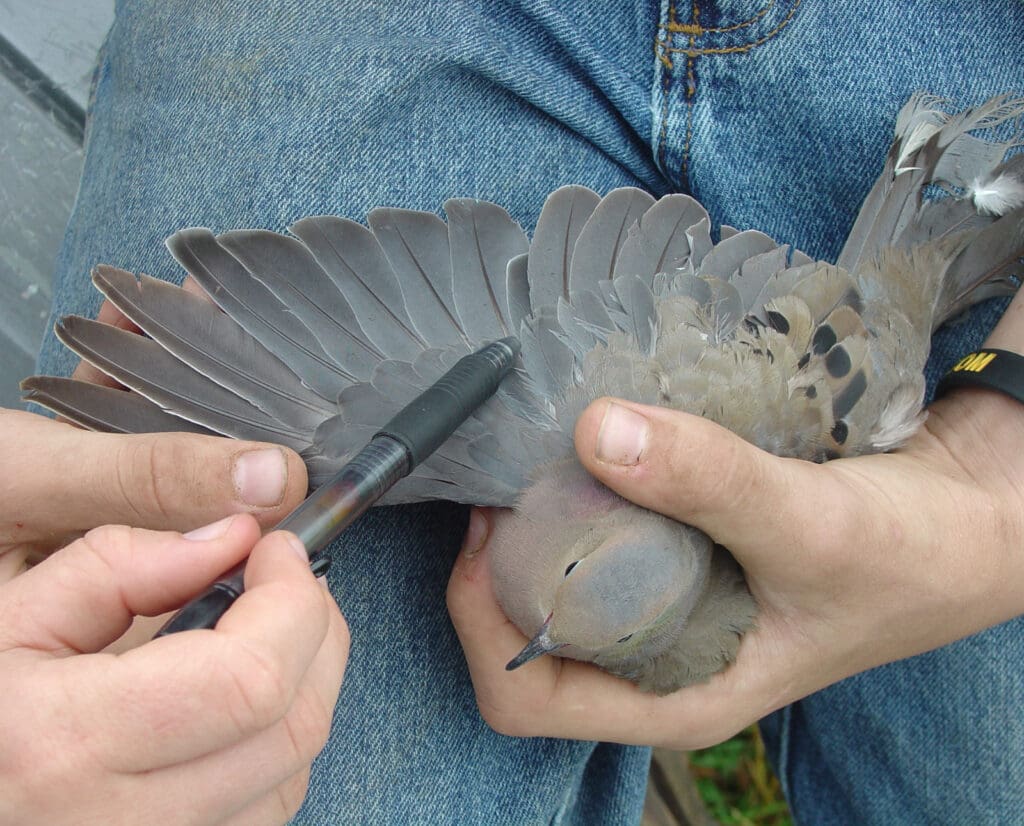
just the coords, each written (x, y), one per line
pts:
(776, 115)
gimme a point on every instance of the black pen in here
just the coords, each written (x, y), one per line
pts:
(411, 436)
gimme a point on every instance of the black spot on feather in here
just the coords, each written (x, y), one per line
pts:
(837, 362)
(777, 321)
(846, 398)
(853, 300)
(824, 338)
(840, 431)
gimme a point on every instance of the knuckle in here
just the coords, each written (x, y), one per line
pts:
(95, 556)
(499, 723)
(339, 628)
(291, 794)
(155, 475)
(99, 541)
(456, 602)
(730, 480)
(260, 694)
(135, 478)
(497, 720)
(172, 471)
(308, 724)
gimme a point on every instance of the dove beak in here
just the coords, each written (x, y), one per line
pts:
(537, 647)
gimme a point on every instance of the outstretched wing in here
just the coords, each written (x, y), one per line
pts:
(317, 339)
(323, 335)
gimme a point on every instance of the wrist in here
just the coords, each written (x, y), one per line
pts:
(981, 437)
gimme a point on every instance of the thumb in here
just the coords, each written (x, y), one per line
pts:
(697, 472)
(86, 595)
(73, 480)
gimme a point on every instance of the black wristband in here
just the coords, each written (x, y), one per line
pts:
(995, 369)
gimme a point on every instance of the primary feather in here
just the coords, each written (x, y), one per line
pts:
(325, 335)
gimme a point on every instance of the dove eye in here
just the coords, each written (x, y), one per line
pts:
(623, 639)
(568, 569)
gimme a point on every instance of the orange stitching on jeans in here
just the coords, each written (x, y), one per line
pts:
(664, 50)
(694, 28)
(692, 52)
(745, 23)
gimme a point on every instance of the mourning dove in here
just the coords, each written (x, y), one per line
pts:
(322, 336)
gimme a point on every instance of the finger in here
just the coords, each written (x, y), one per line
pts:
(108, 314)
(272, 759)
(209, 690)
(700, 473)
(489, 638)
(74, 480)
(275, 808)
(85, 596)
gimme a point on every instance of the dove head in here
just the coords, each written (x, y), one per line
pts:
(589, 575)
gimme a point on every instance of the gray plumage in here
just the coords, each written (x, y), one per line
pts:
(324, 337)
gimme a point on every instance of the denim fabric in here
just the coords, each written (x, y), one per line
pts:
(775, 114)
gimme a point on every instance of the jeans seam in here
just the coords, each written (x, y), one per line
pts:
(666, 84)
(695, 30)
(664, 39)
(662, 46)
(673, 26)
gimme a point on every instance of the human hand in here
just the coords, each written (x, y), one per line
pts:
(61, 481)
(853, 563)
(64, 481)
(67, 480)
(194, 728)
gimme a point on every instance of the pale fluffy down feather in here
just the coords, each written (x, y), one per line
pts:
(998, 196)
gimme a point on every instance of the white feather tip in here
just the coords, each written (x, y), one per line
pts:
(997, 196)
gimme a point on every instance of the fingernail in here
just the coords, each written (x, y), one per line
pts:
(297, 546)
(476, 534)
(215, 530)
(622, 437)
(261, 477)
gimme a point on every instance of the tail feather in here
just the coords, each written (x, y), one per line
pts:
(930, 147)
(984, 266)
(964, 244)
